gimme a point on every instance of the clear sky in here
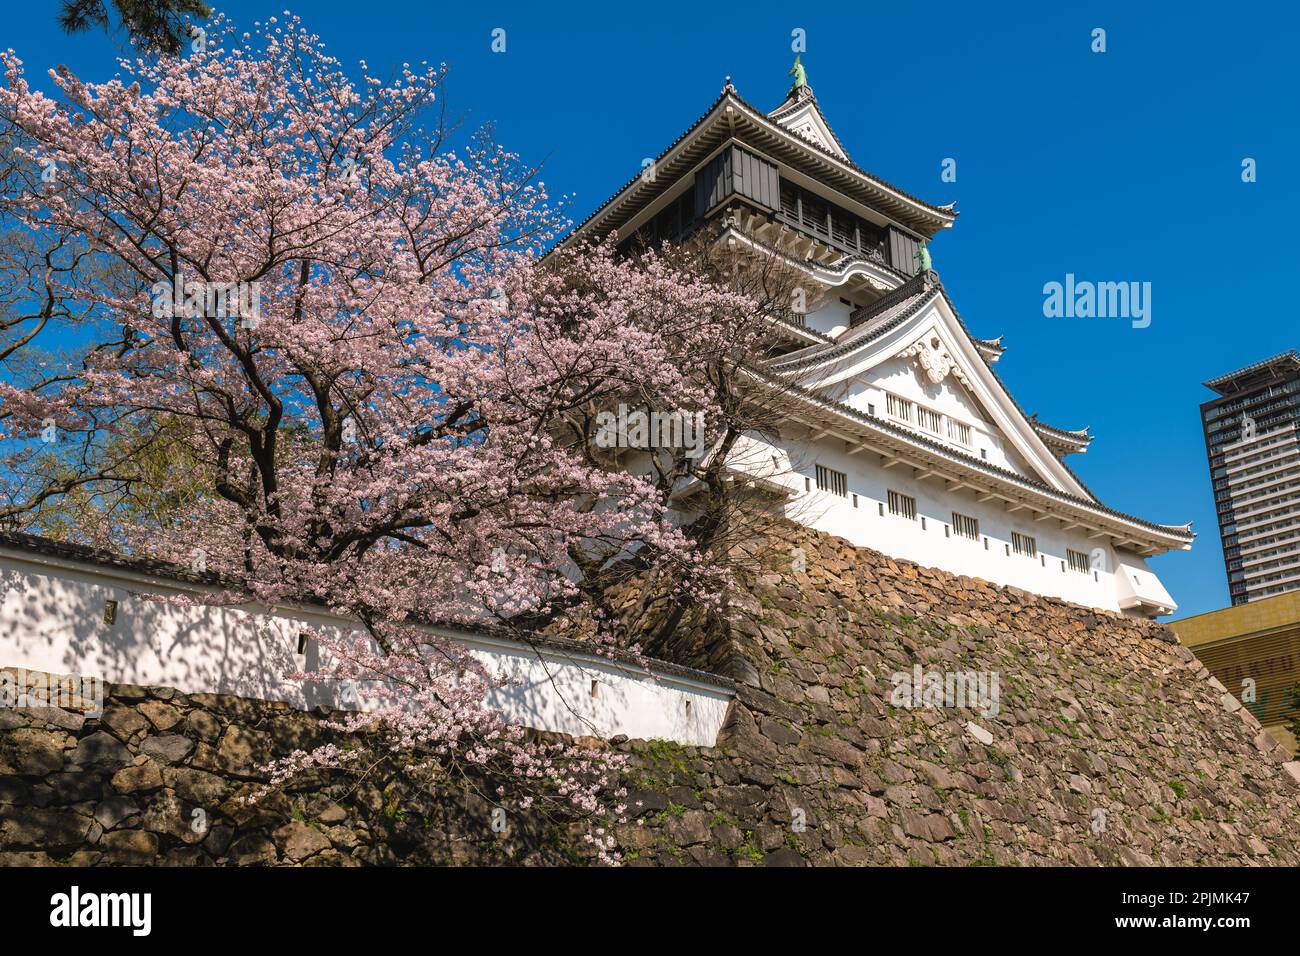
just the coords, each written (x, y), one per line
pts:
(1116, 166)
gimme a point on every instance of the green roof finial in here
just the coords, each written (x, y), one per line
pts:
(922, 254)
(800, 77)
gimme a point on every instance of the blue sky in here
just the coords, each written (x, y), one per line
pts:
(1118, 166)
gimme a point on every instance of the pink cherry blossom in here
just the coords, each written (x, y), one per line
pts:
(402, 433)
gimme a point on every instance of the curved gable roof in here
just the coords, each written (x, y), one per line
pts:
(877, 336)
(731, 116)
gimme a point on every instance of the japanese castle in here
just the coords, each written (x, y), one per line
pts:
(898, 434)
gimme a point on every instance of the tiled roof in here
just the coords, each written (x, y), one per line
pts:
(71, 551)
(730, 93)
(794, 326)
(1288, 360)
(899, 306)
(1181, 532)
(793, 102)
(891, 310)
(1072, 434)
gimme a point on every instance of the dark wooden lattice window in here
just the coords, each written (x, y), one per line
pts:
(814, 214)
(790, 200)
(844, 228)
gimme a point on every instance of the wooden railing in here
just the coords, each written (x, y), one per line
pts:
(825, 233)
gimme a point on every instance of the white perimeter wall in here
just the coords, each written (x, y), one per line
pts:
(52, 620)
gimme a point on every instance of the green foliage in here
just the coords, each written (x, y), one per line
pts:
(666, 762)
(555, 839)
(672, 810)
(392, 805)
(155, 24)
(154, 481)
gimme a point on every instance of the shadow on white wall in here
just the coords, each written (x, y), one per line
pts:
(55, 617)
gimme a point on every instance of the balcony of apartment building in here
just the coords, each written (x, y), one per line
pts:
(1247, 498)
(1245, 468)
(1278, 548)
(1274, 581)
(1256, 514)
(1280, 530)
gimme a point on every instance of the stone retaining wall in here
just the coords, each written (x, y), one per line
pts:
(1111, 745)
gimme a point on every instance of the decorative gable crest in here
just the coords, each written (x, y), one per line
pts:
(801, 115)
(934, 359)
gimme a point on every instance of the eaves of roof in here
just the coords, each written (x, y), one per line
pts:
(1072, 473)
(905, 301)
(920, 298)
(1289, 357)
(1069, 436)
(942, 216)
(1181, 533)
(840, 266)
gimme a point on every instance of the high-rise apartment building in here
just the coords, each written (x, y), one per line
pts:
(1252, 438)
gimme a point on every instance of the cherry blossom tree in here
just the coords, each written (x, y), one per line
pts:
(386, 399)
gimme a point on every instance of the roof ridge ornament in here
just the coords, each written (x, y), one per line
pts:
(924, 269)
(922, 256)
(800, 79)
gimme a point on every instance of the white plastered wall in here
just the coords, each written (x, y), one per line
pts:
(52, 621)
